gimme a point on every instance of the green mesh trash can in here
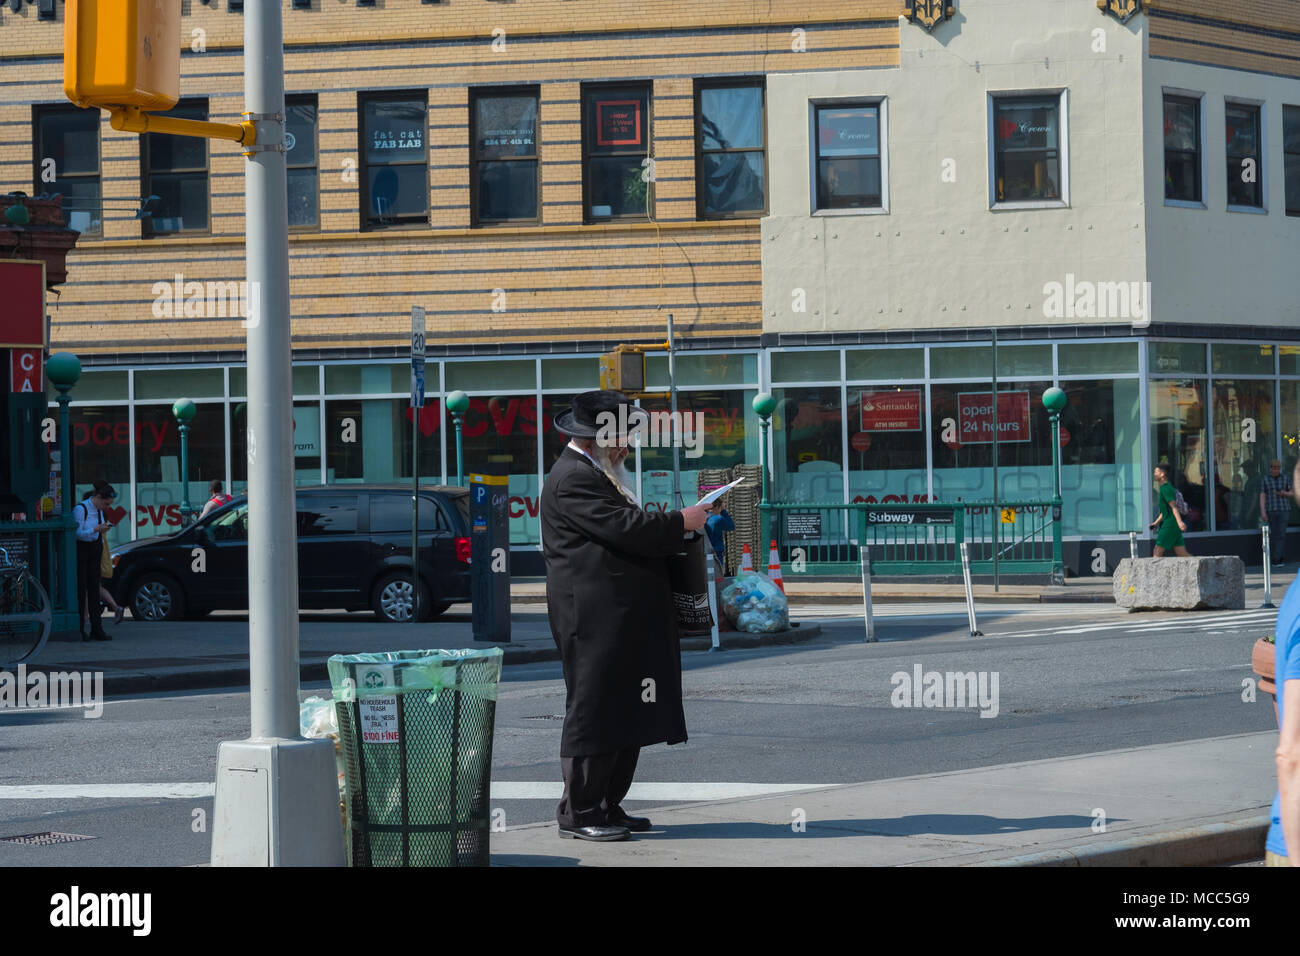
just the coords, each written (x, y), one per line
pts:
(416, 733)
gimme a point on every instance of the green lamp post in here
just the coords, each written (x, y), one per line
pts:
(63, 369)
(184, 411)
(764, 405)
(1054, 401)
(458, 404)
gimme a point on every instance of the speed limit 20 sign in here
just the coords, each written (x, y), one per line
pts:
(417, 333)
(417, 356)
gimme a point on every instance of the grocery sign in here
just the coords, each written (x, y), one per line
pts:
(975, 417)
(891, 411)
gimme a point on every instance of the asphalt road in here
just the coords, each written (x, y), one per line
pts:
(1070, 680)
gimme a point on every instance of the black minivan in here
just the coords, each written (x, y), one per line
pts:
(354, 552)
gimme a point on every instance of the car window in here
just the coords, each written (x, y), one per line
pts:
(392, 513)
(460, 503)
(231, 525)
(326, 514)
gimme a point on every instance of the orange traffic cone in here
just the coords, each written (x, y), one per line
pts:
(774, 567)
(746, 560)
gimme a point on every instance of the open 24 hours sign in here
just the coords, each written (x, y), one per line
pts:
(975, 417)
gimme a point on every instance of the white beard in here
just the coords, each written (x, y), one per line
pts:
(617, 474)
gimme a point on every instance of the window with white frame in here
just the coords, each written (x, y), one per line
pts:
(1245, 155)
(847, 155)
(1291, 157)
(1028, 146)
(1182, 132)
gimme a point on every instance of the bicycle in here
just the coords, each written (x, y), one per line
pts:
(25, 613)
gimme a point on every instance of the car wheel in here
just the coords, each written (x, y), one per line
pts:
(157, 597)
(392, 599)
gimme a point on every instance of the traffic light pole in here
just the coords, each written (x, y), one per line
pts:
(672, 407)
(277, 794)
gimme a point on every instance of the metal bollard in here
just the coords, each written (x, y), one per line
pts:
(711, 570)
(1268, 568)
(866, 594)
(970, 594)
(1133, 545)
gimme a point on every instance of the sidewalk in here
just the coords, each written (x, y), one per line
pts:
(1185, 804)
(1091, 590)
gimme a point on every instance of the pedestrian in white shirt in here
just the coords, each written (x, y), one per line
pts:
(91, 526)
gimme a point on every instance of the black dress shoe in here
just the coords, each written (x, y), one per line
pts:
(601, 834)
(636, 824)
(100, 636)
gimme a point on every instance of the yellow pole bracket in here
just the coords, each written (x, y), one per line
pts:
(132, 120)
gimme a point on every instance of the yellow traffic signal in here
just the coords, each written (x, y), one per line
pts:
(122, 53)
(623, 369)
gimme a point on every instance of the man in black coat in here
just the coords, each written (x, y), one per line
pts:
(612, 617)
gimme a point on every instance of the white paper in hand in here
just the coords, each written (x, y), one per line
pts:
(717, 493)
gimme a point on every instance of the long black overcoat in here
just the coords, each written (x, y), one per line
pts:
(611, 612)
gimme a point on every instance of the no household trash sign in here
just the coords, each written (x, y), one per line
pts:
(378, 722)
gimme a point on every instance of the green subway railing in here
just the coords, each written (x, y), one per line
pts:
(43, 546)
(918, 539)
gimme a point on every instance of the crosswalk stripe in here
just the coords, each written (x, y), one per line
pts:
(1199, 622)
(501, 790)
(1169, 625)
(109, 791)
(1188, 623)
(1126, 622)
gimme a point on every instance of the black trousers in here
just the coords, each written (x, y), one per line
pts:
(594, 785)
(1277, 534)
(88, 557)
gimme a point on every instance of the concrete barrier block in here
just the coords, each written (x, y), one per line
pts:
(1180, 584)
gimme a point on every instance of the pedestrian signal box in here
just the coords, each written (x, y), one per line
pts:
(623, 369)
(122, 53)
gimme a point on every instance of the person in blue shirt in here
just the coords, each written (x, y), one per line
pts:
(91, 525)
(1282, 847)
(715, 526)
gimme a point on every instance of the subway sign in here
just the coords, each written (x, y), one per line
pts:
(911, 516)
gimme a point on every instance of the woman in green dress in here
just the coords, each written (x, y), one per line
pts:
(1169, 525)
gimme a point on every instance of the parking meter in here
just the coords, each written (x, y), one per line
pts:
(489, 552)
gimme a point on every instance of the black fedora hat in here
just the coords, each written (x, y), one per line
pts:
(587, 416)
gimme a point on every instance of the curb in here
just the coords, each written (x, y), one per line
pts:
(855, 600)
(317, 669)
(797, 634)
(1214, 844)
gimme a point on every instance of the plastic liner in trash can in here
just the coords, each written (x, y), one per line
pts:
(416, 731)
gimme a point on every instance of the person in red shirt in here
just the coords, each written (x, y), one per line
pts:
(218, 498)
